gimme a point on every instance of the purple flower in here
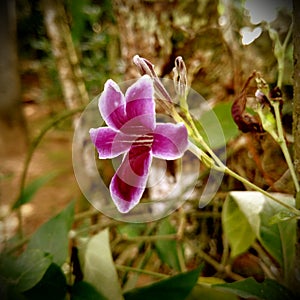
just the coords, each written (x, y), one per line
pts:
(132, 130)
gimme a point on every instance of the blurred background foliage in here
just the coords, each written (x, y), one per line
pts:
(107, 34)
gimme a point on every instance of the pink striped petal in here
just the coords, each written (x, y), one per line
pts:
(109, 143)
(112, 105)
(129, 182)
(140, 102)
(170, 141)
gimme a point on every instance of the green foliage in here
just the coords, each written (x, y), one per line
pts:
(77, 11)
(177, 287)
(24, 272)
(210, 125)
(255, 211)
(53, 285)
(209, 293)
(83, 290)
(98, 267)
(266, 290)
(132, 230)
(95, 36)
(167, 249)
(52, 237)
(237, 228)
(30, 190)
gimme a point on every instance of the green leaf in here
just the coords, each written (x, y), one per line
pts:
(99, 268)
(52, 236)
(266, 290)
(53, 285)
(176, 287)
(282, 216)
(26, 270)
(236, 227)
(167, 249)
(83, 290)
(209, 293)
(32, 188)
(228, 130)
(8, 292)
(278, 239)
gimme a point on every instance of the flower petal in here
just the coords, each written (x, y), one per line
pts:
(129, 182)
(112, 105)
(140, 102)
(108, 142)
(170, 141)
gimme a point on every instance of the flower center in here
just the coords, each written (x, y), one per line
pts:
(144, 140)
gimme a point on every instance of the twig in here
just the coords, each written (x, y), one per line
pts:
(150, 238)
(142, 271)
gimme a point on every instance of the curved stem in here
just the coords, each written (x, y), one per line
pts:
(281, 57)
(283, 145)
(30, 153)
(265, 193)
(143, 271)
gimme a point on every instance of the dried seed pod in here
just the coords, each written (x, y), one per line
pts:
(245, 121)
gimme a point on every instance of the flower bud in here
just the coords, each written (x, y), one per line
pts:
(146, 67)
(180, 77)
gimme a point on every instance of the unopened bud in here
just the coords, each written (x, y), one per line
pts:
(146, 67)
(180, 77)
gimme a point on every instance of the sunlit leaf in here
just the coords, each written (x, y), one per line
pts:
(99, 269)
(177, 287)
(236, 227)
(210, 280)
(30, 190)
(266, 290)
(53, 285)
(167, 249)
(208, 293)
(278, 239)
(26, 270)
(282, 216)
(52, 236)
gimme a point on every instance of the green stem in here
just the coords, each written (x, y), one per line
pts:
(209, 162)
(30, 153)
(180, 235)
(142, 271)
(140, 246)
(255, 187)
(213, 160)
(280, 61)
(150, 238)
(288, 36)
(223, 168)
(200, 140)
(284, 148)
(281, 56)
(143, 260)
